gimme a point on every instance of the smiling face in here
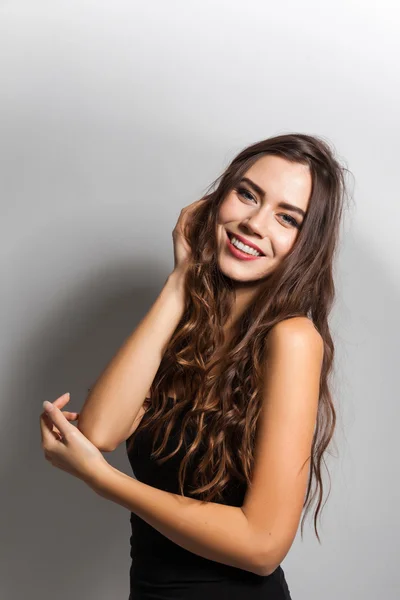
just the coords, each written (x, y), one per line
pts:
(259, 216)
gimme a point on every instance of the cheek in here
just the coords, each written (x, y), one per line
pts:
(230, 210)
(284, 242)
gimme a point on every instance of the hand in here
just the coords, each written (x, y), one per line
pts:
(182, 251)
(65, 446)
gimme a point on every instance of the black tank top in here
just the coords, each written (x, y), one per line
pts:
(161, 569)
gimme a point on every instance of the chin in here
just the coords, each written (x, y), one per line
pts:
(234, 276)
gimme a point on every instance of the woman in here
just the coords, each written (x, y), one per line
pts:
(235, 355)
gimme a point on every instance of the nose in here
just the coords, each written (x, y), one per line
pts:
(256, 224)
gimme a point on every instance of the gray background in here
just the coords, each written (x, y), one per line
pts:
(115, 115)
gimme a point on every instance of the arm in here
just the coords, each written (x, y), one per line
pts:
(115, 400)
(257, 536)
(209, 529)
(285, 431)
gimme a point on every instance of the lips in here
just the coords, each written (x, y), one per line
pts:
(244, 241)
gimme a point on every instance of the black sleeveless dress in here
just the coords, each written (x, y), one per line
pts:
(163, 570)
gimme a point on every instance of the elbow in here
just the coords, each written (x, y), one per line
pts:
(260, 567)
(259, 562)
(264, 568)
(104, 448)
(100, 445)
(266, 562)
(266, 571)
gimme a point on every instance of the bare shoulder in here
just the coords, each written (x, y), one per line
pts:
(296, 332)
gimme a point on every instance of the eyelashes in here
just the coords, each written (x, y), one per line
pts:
(246, 194)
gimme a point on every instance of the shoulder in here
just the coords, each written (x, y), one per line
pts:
(296, 333)
(295, 344)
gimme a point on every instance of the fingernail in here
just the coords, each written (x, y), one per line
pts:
(47, 405)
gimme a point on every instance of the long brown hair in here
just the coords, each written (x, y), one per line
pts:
(224, 409)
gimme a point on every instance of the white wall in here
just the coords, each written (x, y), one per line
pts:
(115, 115)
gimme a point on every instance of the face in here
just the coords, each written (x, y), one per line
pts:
(258, 215)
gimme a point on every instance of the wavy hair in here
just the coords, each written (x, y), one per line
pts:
(223, 409)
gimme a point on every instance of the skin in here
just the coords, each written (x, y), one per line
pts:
(64, 446)
(225, 533)
(261, 221)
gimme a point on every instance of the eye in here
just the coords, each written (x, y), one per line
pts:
(243, 192)
(246, 194)
(292, 220)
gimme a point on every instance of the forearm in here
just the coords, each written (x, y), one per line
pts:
(117, 396)
(214, 531)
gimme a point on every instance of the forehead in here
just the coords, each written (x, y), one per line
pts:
(282, 180)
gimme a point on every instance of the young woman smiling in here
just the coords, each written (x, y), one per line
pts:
(229, 371)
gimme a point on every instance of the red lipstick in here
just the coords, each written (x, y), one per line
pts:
(238, 253)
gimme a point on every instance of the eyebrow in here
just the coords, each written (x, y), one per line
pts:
(283, 204)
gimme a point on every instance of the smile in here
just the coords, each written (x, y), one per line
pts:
(239, 250)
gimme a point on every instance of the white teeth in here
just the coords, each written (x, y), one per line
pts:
(244, 247)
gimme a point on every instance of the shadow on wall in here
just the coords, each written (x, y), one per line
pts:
(51, 515)
(66, 536)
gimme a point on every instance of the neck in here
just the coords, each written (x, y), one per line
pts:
(243, 297)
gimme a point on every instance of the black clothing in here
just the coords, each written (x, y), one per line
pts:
(163, 570)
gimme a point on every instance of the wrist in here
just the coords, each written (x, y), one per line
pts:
(176, 280)
(98, 479)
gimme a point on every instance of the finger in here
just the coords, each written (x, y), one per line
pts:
(46, 429)
(49, 432)
(61, 401)
(71, 416)
(57, 418)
